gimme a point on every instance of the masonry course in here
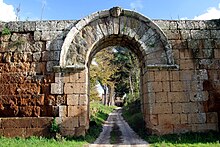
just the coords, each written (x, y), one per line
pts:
(43, 72)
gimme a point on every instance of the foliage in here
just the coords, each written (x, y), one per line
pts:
(54, 126)
(6, 31)
(127, 78)
(117, 71)
(132, 114)
(102, 71)
(99, 112)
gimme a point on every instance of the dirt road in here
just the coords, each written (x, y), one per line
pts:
(126, 137)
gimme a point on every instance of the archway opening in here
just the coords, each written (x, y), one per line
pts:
(114, 76)
(115, 64)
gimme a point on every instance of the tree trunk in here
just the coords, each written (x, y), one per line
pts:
(105, 95)
(131, 86)
(111, 95)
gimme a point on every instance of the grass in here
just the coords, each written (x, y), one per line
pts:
(38, 141)
(132, 114)
(115, 135)
(99, 114)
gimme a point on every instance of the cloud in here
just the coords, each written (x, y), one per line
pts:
(7, 12)
(137, 4)
(211, 13)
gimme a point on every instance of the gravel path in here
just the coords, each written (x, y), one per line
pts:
(128, 139)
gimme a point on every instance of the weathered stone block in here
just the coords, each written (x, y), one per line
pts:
(69, 122)
(186, 75)
(60, 77)
(182, 128)
(61, 100)
(81, 131)
(187, 64)
(199, 96)
(205, 127)
(67, 132)
(175, 75)
(83, 100)
(37, 132)
(162, 108)
(62, 111)
(168, 119)
(161, 97)
(150, 76)
(177, 86)
(183, 118)
(178, 97)
(212, 117)
(155, 87)
(16, 123)
(14, 132)
(83, 119)
(163, 129)
(75, 88)
(50, 65)
(154, 119)
(72, 99)
(166, 86)
(44, 122)
(26, 111)
(74, 111)
(56, 88)
(200, 34)
(197, 118)
(78, 77)
(173, 34)
(162, 76)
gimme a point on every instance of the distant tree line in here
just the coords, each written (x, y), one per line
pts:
(116, 69)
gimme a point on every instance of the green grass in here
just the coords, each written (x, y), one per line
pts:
(37, 142)
(132, 114)
(208, 139)
(99, 114)
(115, 135)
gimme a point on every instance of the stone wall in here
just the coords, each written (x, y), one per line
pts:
(28, 53)
(34, 89)
(186, 99)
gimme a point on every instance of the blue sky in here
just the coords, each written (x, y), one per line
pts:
(76, 9)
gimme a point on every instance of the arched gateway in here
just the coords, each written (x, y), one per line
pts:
(44, 72)
(114, 27)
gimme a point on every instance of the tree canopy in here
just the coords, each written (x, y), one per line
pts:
(116, 70)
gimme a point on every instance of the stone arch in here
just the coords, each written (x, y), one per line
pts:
(114, 27)
(122, 26)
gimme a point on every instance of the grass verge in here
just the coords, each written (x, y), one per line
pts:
(99, 114)
(132, 114)
(115, 135)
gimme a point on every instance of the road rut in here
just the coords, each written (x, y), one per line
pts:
(128, 137)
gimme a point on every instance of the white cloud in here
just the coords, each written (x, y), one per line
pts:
(137, 4)
(7, 12)
(211, 13)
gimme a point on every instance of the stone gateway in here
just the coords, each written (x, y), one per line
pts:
(44, 72)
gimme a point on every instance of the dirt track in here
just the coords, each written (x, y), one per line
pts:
(128, 137)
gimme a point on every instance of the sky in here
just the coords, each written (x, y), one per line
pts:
(11, 10)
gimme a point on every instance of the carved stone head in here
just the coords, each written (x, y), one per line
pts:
(115, 11)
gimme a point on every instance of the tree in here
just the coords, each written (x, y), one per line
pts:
(127, 79)
(116, 70)
(102, 71)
